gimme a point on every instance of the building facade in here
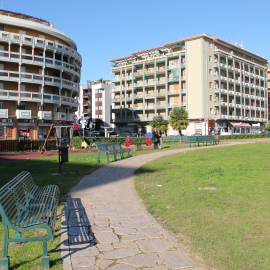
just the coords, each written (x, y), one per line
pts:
(222, 86)
(40, 72)
(95, 102)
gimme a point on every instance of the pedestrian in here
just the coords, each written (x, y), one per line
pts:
(155, 137)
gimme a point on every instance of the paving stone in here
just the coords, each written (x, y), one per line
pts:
(78, 230)
(121, 267)
(80, 250)
(125, 244)
(116, 225)
(123, 231)
(103, 264)
(152, 232)
(133, 237)
(162, 267)
(104, 210)
(129, 210)
(136, 224)
(101, 221)
(175, 259)
(83, 261)
(142, 260)
(137, 218)
(106, 237)
(74, 222)
(85, 238)
(154, 245)
(96, 229)
(87, 268)
(105, 247)
(120, 253)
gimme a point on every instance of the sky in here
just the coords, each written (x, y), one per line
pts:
(108, 29)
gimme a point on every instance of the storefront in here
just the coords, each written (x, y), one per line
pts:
(26, 129)
(240, 128)
(6, 129)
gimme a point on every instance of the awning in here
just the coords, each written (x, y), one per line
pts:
(237, 124)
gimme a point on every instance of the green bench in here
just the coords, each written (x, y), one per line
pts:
(173, 139)
(107, 149)
(25, 206)
(202, 139)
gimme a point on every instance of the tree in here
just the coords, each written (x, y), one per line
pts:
(179, 119)
(267, 128)
(160, 123)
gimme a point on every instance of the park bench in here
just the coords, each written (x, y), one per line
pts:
(202, 139)
(173, 139)
(110, 147)
(118, 147)
(25, 206)
(103, 151)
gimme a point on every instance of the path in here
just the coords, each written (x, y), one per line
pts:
(106, 226)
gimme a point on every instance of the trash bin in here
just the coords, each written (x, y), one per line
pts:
(63, 154)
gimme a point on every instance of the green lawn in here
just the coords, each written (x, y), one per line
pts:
(28, 255)
(224, 228)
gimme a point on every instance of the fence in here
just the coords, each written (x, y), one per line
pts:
(21, 145)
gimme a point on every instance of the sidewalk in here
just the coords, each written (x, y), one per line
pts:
(106, 226)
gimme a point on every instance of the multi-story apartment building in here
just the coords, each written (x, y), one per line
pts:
(221, 85)
(40, 71)
(268, 72)
(95, 102)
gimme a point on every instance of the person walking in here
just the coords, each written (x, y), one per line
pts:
(155, 138)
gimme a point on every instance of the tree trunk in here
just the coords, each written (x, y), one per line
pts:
(180, 132)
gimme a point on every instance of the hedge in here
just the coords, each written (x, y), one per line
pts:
(76, 141)
(244, 136)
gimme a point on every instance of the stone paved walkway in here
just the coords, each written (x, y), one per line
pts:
(106, 226)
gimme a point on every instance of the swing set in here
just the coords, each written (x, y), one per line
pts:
(63, 136)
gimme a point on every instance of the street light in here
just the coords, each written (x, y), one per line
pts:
(206, 121)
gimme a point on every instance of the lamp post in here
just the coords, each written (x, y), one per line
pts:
(206, 122)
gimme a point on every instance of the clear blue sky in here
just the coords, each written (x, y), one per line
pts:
(108, 29)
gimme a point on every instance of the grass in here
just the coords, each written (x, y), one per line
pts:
(224, 228)
(28, 255)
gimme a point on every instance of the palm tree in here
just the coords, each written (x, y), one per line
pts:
(179, 119)
(160, 123)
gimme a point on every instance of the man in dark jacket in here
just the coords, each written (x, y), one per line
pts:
(155, 137)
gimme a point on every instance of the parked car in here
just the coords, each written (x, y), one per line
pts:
(101, 133)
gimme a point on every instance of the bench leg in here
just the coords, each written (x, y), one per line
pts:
(107, 158)
(5, 263)
(45, 257)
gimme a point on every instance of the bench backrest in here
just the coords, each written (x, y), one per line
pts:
(110, 147)
(101, 147)
(117, 146)
(15, 195)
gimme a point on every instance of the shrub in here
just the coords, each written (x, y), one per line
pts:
(76, 142)
(244, 136)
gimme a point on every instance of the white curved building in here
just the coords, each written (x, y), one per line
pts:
(40, 71)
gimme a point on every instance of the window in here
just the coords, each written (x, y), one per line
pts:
(210, 58)
(1, 105)
(210, 71)
(210, 84)
(211, 110)
(2, 28)
(211, 98)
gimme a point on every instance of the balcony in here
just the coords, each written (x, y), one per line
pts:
(231, 92)
(116, 79)
(238, 94)
(3, 113)
(224, 91)
(138, 96)
(60, 116)
(161, 94)
(231, 105)
(138, 73)
(222, 65)
(216, 90)
(163, 81)
(149, 96)
(24, 114)
(10, 75)
(138, 85)
(173, 67)
(224, 104)
(45, 115)
(224, 116)
(149, 71)
(150, 107)
(172, 79)
(149, 83)
(70, 117)
(174, 92)
(172, 105)
(138, 108)
(223, 78)
(161, 69)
